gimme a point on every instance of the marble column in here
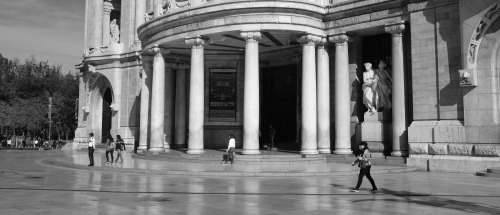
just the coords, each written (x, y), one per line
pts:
(105, 22)
(342, 95)
(146, 84)
(323, 81)
(196, 95)
(399, 130)
(99, 10)
(158, 102)
(180, 106)
(140, 10)
(169, 105)
(309, 132)
(251, 103)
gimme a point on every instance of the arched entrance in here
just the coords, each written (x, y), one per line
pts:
(106, 114)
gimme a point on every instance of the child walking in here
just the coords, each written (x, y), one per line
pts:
(365, 166)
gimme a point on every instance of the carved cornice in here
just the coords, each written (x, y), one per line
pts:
(395, 28)
(197, 42)
(339, 39)
(251, 36)
(309, 40)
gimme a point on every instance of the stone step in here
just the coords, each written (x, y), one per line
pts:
(275, 160)
(486, 174)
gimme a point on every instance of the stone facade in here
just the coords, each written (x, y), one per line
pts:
(162, 71)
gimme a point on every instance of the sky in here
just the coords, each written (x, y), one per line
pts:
(51, 30)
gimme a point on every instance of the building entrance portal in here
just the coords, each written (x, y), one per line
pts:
(279, 105)
(106, 114)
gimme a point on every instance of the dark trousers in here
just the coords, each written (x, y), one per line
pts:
(362, 173)
(230, 155)
(91, 155)
(107, 159)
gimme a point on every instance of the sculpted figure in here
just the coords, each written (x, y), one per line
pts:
(384, 86)
(115, 31)
(369, 87)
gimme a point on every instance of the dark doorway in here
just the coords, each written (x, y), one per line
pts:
(106, 114)
(377, 48)
(279, 104)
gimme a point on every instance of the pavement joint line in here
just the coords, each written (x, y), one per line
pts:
(260, 194)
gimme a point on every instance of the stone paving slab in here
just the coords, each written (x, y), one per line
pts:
(29, 188)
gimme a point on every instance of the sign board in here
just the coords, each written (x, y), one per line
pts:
(222, 95)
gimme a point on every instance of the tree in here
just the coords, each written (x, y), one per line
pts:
(24, 92)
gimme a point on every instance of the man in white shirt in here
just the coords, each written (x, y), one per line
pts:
(91, 149)
(230, 149)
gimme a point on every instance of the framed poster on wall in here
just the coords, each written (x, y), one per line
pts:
(222, 95)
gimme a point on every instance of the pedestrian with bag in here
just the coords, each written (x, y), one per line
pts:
(365, 166)
(230, 149)
(91, 149)
(111, 148)
(120, 147)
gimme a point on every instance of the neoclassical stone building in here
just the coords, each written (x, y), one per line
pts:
(187, 73)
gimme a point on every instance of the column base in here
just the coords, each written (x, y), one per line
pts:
(250, 152)
(324, 151)
(156, 151)
(195, 151)
(309, 152)
(142, 150)
(399, 153)
(342, 152)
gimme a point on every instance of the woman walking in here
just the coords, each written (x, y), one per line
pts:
(120, 147)
(365, 165)
(111, 148)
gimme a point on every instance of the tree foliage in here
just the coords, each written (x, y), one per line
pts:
(25, 89)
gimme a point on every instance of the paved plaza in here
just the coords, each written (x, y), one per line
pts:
(30, 186)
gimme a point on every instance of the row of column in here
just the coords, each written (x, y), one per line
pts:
(315, 127)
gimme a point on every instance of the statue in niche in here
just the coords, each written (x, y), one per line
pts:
(114, 30)
(369, 87)
(384, 86)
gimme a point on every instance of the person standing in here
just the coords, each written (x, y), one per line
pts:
(91, 149)
(111, 148)
(230, 149)
(120, 147)
(365, 166)
(272, 132)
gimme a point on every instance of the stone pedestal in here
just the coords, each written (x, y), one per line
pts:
(376, 130)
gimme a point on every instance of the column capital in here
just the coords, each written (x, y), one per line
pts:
(156, 50)
(197, 41)
(309, 39)
(395, 28)
(322, 42)
(251, 36)
(108, 7)
(339, 39)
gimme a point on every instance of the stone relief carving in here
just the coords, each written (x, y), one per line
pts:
(483, 25)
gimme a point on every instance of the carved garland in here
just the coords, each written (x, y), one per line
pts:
(481, 28)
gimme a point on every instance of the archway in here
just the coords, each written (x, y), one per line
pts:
(107, 100)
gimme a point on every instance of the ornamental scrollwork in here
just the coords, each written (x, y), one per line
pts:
(481, 28)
